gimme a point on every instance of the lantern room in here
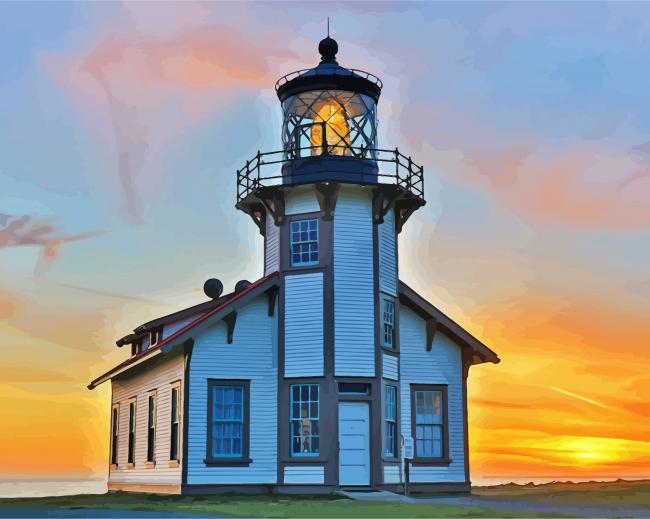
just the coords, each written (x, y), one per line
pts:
(329, 109)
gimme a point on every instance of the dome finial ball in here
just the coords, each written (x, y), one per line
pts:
(328, 49)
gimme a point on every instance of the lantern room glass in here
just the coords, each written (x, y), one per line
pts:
(329, 122)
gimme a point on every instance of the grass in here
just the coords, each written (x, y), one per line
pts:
(261, 506)
(615, 493)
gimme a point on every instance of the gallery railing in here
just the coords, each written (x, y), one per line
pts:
(268, 168)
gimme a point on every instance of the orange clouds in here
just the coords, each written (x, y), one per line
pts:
(139, 93)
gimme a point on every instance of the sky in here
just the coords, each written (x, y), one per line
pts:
(121, 129)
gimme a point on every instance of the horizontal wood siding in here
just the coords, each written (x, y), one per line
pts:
(301, 200)
(159, 375)
(441, 365)
(272, 251)
(303, 325)
(305, 474)
(251, 356)
(389, 363)
(387, 236)
(354, 306)
(392, 474)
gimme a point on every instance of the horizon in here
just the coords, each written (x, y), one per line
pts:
(122, 133)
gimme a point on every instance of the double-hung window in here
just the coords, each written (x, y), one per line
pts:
(305, 436)
(151, 428)
(388, 324)
(390, 430)
(115, 428)
(429, 421)
(228, 420)
(175, 423)
(304, 242)
(131, 452)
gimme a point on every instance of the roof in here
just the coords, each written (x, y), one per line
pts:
(218, 307)
(145, 328)
(422, 307)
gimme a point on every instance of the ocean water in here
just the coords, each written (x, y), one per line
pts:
(45, 487)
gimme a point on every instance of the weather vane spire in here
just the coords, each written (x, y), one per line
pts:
(328, 26)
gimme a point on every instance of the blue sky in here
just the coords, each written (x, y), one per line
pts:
(123, 125)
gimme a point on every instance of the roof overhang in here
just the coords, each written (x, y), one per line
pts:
(181, 337)
(438, 320)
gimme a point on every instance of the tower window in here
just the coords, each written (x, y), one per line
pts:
(305, 436)
(304, 242)
(388, 324)
(390, 431)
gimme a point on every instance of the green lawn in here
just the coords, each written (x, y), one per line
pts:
(615, 493)
(261, 506)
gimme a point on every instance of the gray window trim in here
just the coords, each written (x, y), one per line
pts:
(385, 455)
(444, 459)
(382, 299)
(244, 460)
(324, 242)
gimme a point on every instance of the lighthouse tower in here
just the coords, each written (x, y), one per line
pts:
(330, 206)
(326, 373)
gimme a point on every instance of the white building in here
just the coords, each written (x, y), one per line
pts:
(311, 378)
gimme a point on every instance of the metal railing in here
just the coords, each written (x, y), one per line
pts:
(265, 169)
(339, 71)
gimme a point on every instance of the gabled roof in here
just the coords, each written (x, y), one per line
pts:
(426, 310)
(185, 313)
(223, 306)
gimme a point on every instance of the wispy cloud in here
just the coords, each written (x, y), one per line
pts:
(43, 233)
(579, 397)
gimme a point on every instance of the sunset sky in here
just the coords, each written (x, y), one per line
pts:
(122, 126)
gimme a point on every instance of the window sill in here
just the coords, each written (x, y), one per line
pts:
(317, 460)
(149, 464)
(113, 466)
(387, 349)
(228, 462)
(130, 465)
(390, 459)
(174, 463)
(431, 462)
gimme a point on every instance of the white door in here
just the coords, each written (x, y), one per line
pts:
(354, 443)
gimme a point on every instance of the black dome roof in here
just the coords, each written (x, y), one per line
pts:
(328, 75)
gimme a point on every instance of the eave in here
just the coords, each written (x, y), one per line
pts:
(437, 319)
(165, 346)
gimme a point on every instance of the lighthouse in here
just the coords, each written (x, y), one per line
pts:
(315, 376)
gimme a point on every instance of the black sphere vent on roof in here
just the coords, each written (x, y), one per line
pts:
(213, 288)
(242, 285)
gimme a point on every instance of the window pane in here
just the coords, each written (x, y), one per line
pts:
(304, 242)
(304, 419)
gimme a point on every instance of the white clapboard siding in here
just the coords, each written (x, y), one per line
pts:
(390, 369)
(303, 325)
(250, 356)
(159, 376)
(304, 474)
(354, 311)
(272, 244)
(441, 365)
(301, 200)
(392, 474)
(387, 237)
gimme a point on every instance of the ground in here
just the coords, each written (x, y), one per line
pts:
(620, 499)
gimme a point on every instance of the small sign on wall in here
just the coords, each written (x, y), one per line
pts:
(408, 447)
